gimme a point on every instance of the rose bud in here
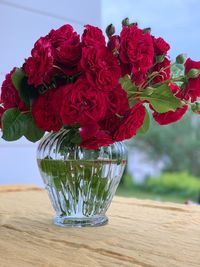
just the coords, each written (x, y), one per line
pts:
(180, 59)
(110, 30)
(196, 107)
(125, 22)
(147, 30)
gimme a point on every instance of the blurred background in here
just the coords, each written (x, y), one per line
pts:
(165, 163)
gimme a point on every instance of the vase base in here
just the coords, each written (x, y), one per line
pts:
(66, 221)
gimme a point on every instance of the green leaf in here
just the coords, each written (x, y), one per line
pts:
(32, 133)
(146, 124)
(27, 92)
(73, 136)
(23, 92)
(193, 73)
(162, 99)
(129, 87)
(160, 58)
(76, 139)
(127, 84)
(13, 124)
(17, 78)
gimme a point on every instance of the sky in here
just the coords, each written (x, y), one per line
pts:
(177, 21)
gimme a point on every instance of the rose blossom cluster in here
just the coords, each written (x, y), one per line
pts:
(76, 80)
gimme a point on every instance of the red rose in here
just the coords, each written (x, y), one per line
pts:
(170, 116)
(163, 70)
(89, 130)
(93, 138)
(100, 67)
(136, 48)
(66, 48)
(114, 44)
(139, 77)
(93, 36)
(132, 121)
(176, 90)
(111, 124)
(82, 103)
(192, 89)
(117, 107)
(117, 102)
(9, 95)
(161, 47)
(45, 110)
(39, 66)
(125, 69)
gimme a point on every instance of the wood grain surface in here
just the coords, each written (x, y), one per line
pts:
(140, 233)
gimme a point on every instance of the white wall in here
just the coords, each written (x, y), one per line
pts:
(22, 22)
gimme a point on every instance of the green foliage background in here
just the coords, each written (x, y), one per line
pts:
(179, 141)
(173, 187)
(180, 181)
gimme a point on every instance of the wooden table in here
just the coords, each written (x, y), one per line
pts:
(140, 233)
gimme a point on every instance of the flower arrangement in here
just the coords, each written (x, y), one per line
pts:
(100, 91)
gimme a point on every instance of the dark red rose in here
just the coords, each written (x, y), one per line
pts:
(82, 103)
(89, 130)
(100, 67)
(62, 34)
(45, 110)
(136, 49)
(98, 139)
(93, 36)
(111, 124)
(57, 99)
(114, 44)
(161, 47)
(170, 116)
(139, 77)
(163, 70)
(117, 107)
(117, 102)
(39, 66)
(125, 69)
(66, 48)
(192, 89)
(131, 122)
(9, 95)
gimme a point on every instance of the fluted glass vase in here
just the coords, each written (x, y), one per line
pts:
(80, 182)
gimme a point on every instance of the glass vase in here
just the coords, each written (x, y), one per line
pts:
(80, 182)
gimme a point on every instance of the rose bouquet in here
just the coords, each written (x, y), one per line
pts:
(90, 94)
(101, 91)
